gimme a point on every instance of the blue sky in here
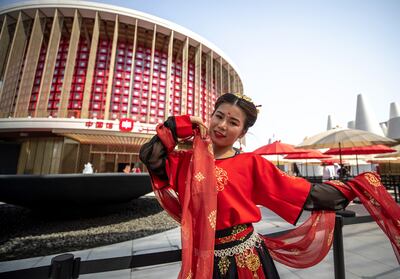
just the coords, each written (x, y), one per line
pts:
(301, 60)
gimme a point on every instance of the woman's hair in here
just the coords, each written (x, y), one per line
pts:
(244, 103)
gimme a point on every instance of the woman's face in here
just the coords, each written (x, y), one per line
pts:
(226, 125)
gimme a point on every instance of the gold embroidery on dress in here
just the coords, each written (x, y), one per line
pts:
(223, 265)
(226, 239)
(247, 259)
(372, 179)
(238, 229)
(222, 178)
(190, 275)
(253, 262)
(212, 218)
(199, 176)
(235, 230)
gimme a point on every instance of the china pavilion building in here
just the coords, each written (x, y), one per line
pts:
(88, 82)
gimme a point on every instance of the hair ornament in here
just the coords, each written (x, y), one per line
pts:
(243, 97)
(248, 99)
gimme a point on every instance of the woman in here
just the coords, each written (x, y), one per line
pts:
(195, 188)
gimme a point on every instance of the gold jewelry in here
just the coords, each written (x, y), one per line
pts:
(248, 99)
(244, 97)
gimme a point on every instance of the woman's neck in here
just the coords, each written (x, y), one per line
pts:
(223, 152)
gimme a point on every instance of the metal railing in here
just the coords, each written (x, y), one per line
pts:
(66, 266)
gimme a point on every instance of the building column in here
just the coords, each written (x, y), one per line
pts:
(221, 76)
(111, 69)
(229, 79)
(5, 40)
(209, 82)
(50, 62)
(70, 64)
(235, 83)
(197, 81)
(90, 68)
(13, 67)
(185, 66)
(153, 49)
(169, 67)
(132, 77)
(31, 60)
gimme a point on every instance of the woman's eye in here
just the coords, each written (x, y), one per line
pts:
(234, 124)
(219, 116)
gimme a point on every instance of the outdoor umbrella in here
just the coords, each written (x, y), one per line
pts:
(395, 154)
(308, 154)
(277, 148)
(343, 138)
(360, 150)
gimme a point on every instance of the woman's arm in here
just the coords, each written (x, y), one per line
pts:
(154, 153)
(325, 197)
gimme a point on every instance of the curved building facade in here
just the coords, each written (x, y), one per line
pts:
(83, 81)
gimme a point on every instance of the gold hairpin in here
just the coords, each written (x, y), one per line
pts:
(244, 97)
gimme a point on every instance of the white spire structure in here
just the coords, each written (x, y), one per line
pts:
(351, 124)
(365, 119)
(329, 124)
(393, 124)
(394, 110)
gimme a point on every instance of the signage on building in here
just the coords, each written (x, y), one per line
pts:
(99, 124)
(126, 124)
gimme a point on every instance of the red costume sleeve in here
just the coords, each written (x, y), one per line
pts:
(274, 189)
(184, 128)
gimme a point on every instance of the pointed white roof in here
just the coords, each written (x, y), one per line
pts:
(394, 110)
(365, 119)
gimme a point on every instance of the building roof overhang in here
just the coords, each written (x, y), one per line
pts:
(79, 130)
(110, 138)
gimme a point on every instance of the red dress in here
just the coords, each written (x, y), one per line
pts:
(241, 183)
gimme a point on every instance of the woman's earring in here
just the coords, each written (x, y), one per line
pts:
(240, 144)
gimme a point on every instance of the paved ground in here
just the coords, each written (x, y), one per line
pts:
(368, 254)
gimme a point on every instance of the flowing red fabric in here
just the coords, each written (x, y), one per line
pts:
(307, 244)
(199, 213)
(195, 206)
(379, 203)
(196, 203)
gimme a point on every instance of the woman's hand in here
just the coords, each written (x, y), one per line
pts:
(199, 122)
